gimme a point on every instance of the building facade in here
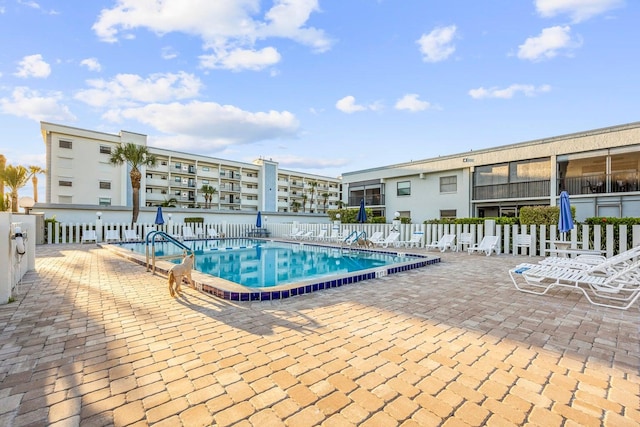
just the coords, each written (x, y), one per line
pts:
(79, 173)
(598, 168)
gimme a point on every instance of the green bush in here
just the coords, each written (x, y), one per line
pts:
(499, 220)
(194, 220)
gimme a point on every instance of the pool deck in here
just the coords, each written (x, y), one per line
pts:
(95, 340)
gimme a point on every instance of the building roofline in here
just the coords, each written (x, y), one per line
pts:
(548, 140)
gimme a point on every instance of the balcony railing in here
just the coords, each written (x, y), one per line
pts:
(375, 200)
(595, 184)
(514, 190)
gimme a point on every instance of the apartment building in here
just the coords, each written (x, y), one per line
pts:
(79, 173)
(598, 168)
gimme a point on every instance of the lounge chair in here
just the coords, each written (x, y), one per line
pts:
(130, 235)
(295, 234)
(199, 232)
(187, 233)
(618, 290)
(416, 240)
(444, 243)
(464, 239)
(522, 241)
(596, 263)
(392, 238)
(212, 233)
(306, 236)
(111, 236)
(89, 236)
(376, 237)
(487, 245)
(322, 236)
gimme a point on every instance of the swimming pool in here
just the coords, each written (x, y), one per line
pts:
(268, 269)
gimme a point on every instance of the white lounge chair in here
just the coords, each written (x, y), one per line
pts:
(444, 243)
(391, 239)
(89, 236)
(618, 290)
(416, 240)
(199, 232)
(306, 236)
(187, 233)
(111, 236)
(130, 235)
(376, 237)
(464, 239)
(295, 233)
(322, 235)
(212, 233)
(487, 245)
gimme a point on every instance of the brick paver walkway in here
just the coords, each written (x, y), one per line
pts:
(95, 340)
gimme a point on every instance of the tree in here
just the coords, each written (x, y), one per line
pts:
(3, 162)
(304, 203)
(135, 156)
(15, 177)
(33, 170)
(295, 206)
(208, 191)
(325, 197)
(312, 190)
(169, 203)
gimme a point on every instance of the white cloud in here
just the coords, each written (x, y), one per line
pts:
(131, 89)
(206, 126)
(2, 10)
(168, 53)
(92, 64)
(28, 103)
(548, 44)
(578, 10)
(241, 59)
(348, 105)
(33, 66)
(230, 30)
(31, 4)
(411, 103)
(509, 92)
(438, 44)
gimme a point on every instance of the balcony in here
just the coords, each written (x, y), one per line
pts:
(623, 182)
(373, 200)
(515, 190)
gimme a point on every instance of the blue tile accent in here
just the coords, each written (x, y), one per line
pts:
(255, 296)
(265, 296)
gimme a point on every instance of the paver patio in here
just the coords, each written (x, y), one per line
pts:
(93, 339)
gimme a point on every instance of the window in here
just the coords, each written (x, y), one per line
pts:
(177, 193)
(177, 179)
(404, 188)
(448, 184)
(448, 213)
(104, 201)
(105, 149)
(205, 168)
(105, 185)
(65, 144)
(205, 181)
(65, 183)
(178, 165)
(163, 163)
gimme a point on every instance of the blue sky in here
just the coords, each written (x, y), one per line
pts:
(319, 86)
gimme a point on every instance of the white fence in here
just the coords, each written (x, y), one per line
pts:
(599, 238)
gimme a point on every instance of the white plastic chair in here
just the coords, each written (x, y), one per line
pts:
(487, 245)
(392, 238)
(376, 237)
(464, 239)
(212, 233)
(444, 243)
(111, 236)
(522, 241)
(187, 233)
(89, 236)
(130, 235)
(416, 240)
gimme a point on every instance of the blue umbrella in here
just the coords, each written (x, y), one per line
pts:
(565, 221)
(362, 214)
(159, 219)
(259, 220)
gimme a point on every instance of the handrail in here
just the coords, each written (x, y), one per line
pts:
(152, 236)
(357, 235)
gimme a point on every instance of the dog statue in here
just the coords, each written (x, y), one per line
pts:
(177, 272)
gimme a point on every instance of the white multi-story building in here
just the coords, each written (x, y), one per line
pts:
(79, 173)
(598, 168)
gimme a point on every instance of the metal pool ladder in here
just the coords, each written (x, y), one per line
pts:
(150, 240)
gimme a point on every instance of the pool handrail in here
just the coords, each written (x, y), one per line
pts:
(349, 240)
(152, 236)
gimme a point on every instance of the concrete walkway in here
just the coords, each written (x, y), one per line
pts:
(94, 340)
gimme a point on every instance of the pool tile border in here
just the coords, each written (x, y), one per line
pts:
(251, 295)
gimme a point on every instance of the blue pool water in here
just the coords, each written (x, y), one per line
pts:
(263, 264)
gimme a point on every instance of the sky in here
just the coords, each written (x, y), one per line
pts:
(323, 87)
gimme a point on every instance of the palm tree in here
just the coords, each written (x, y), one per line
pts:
(325, 197)
(208, 191)
(312, 190)
(33, 170)
(3, 162)
(135, 156)
(169, 203)
(304, 203)
(295, 206)
(15, 177)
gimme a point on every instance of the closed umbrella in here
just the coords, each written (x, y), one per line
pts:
(362, 214)
(565, 220)
(159, 218)
(259, 220)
